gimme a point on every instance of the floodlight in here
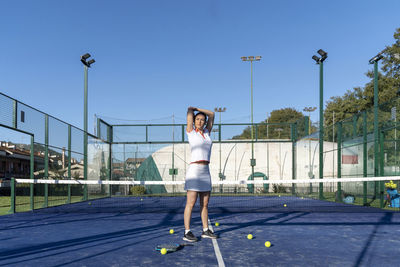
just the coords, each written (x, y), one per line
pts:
(316, 58)
(376, 58)
(322, 53)
(90, 62)
(85, 56)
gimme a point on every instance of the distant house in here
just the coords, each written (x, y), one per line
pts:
(134, 163)
(127, 168)
(15, 162)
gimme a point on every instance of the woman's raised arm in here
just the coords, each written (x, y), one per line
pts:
(189, 119)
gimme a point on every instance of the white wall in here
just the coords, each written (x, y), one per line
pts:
(238, 163)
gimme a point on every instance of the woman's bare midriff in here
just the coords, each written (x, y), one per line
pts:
(202, 162)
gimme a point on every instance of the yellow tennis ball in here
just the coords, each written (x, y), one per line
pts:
(279, 196)
(90, 203)
(249, 236)
(163, 251)
(217, 224)
(171, 231)
(284, 205)
(267, 244)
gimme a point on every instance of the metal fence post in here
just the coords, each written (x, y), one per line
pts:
(31, 175)
(365, 157)
(339, 159)
(69, 163)
(293, 134)
(12, 196)
(46, 161)
(381, 168)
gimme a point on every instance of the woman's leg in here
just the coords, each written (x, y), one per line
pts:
(204, 198)
(191, 198)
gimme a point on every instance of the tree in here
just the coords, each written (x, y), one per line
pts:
(278, 126)
(362, 98)
(391, 60)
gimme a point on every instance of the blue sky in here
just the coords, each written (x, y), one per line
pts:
(155, 58)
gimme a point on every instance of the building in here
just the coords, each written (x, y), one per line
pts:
(15, 162)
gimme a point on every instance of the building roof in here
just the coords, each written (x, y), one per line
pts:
(135, 160)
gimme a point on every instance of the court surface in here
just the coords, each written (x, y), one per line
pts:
(125, 231)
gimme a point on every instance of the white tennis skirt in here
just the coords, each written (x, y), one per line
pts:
(198, 178)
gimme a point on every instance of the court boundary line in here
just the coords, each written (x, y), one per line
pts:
(217, 251)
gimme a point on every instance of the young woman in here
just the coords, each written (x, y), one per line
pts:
(198, 179)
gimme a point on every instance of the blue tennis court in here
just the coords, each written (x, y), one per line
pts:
(124, 232)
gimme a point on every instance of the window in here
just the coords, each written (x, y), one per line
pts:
(22, 116)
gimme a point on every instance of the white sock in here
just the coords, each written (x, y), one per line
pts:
(205, 229)
(187, 231)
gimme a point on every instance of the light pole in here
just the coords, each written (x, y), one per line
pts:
(268, 145)
(310, 168)
(214, 131)
(280, 130)
(252, 160)
(86, 66)
(394, 117)
(374, 61)
(320, 61)
(220, 175)
(309, 110)
(333, 142)
(173, 171)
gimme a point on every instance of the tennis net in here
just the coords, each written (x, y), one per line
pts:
(365, 194)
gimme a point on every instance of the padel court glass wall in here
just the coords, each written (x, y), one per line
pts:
(35, 145)
(40, 146)
(162, 153)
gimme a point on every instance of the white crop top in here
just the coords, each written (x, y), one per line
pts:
(200, 145)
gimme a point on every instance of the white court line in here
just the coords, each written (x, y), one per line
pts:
(220, 260)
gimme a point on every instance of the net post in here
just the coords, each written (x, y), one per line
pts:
(46, 161)
(12, 196)
(31, 175)
(339, 159)
(365, 157)
(381, 169)
(69, 163)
